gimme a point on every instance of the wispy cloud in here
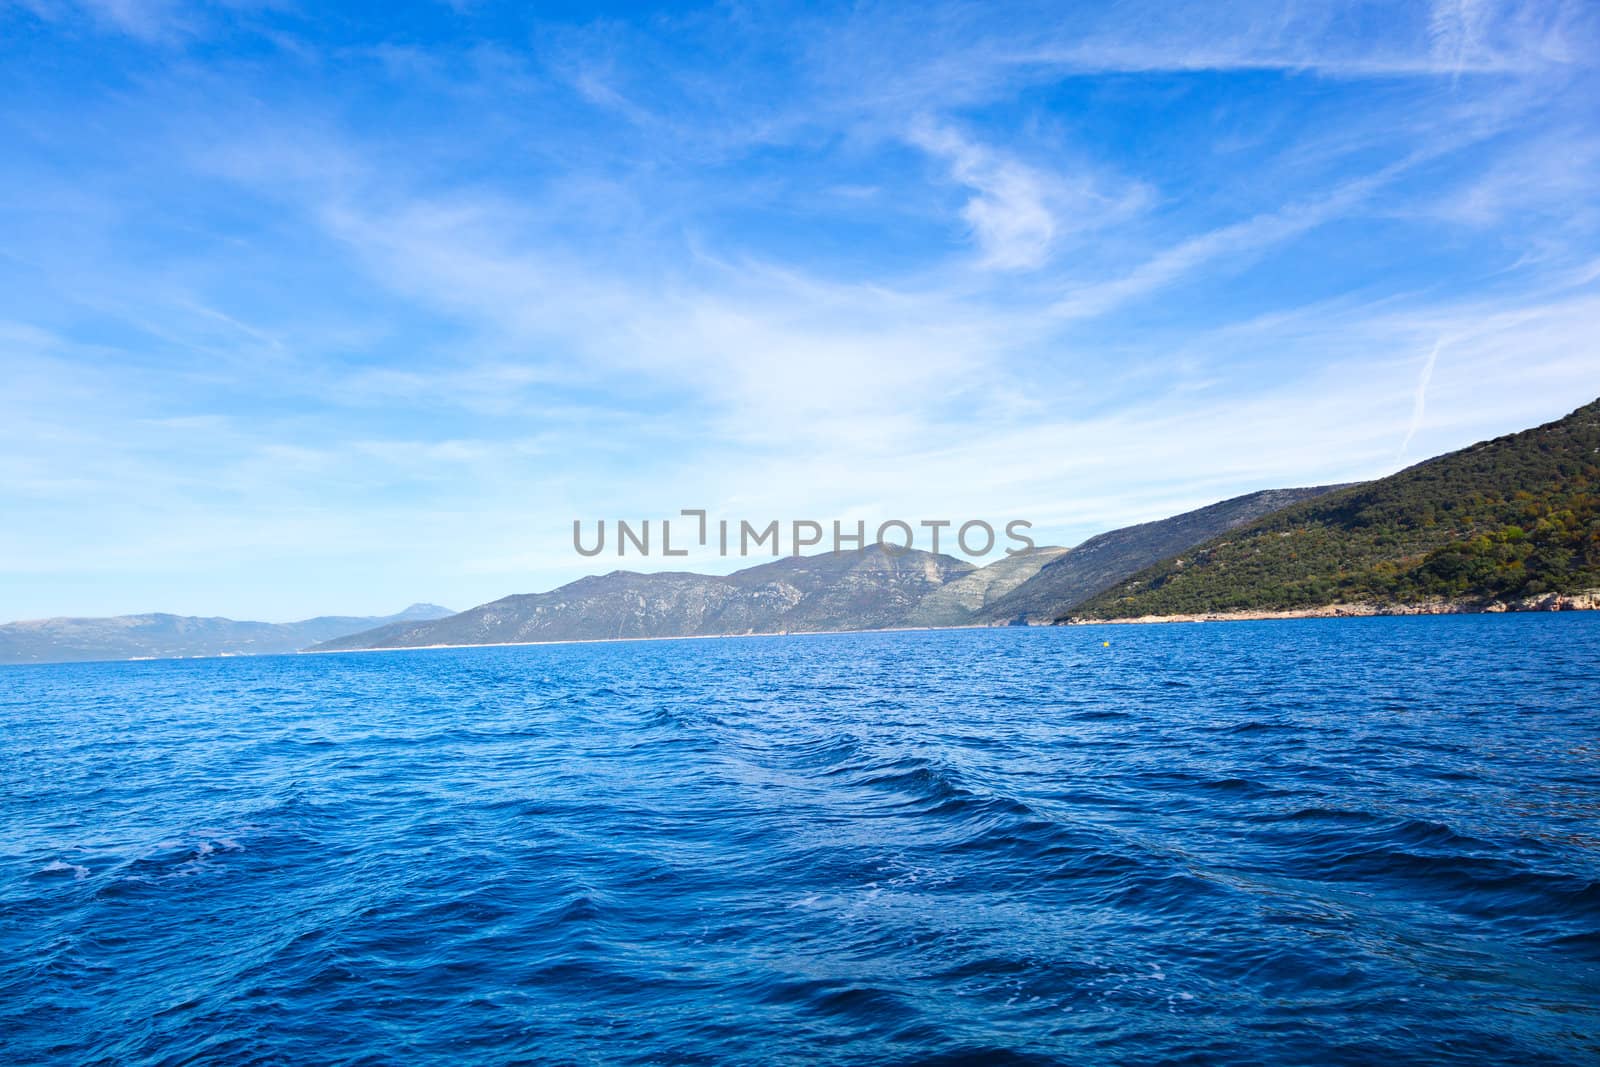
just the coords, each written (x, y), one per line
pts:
(1170, 265)
(1018, 213)
(1008, 212)
(1419, 402)
(148, 21)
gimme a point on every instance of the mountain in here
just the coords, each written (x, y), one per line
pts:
(875, 589)
(159, 636)
(1108, 558)
(964, 601)
(872, 589)
(1496, 524)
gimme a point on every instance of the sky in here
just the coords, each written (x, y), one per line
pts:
(310, 308)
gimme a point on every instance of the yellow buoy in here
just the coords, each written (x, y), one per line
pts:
(1105, 644)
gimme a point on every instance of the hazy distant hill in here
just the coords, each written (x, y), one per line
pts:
(1515, 517)
(873, 589)
(164, 636)
(1108, 558)
(964, 602)
(1518, 516)
(850, 591)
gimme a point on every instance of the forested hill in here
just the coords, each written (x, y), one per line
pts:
(1513, 517)
(1108, 558)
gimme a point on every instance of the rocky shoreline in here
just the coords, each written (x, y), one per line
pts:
(1587, 600)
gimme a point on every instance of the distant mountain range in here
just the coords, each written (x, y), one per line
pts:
(868, 590)
(875, 589)
(170, 636)
(1507, 524)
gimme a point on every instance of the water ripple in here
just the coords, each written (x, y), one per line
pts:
(1329, 841)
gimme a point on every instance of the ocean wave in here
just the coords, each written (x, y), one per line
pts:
(892, 848)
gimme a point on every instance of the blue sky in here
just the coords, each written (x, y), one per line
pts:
(313, 309)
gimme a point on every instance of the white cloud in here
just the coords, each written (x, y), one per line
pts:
(1237, 239)
(148, 21)
(895, 61)
(1009, 212)
(1018, 214)
(1419, 403)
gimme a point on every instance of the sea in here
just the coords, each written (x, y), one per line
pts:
(1309, 842)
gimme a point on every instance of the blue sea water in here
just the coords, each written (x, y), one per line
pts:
(1295, 842)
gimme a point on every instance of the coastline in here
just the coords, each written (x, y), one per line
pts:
(1585, 600)
(627, 640)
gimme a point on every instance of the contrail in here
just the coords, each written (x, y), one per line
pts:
(1421, 400)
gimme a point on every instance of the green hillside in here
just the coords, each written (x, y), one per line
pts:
(1512, 517)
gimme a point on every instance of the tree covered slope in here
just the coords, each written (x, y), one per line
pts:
(1513, 517)
(1106, 559)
